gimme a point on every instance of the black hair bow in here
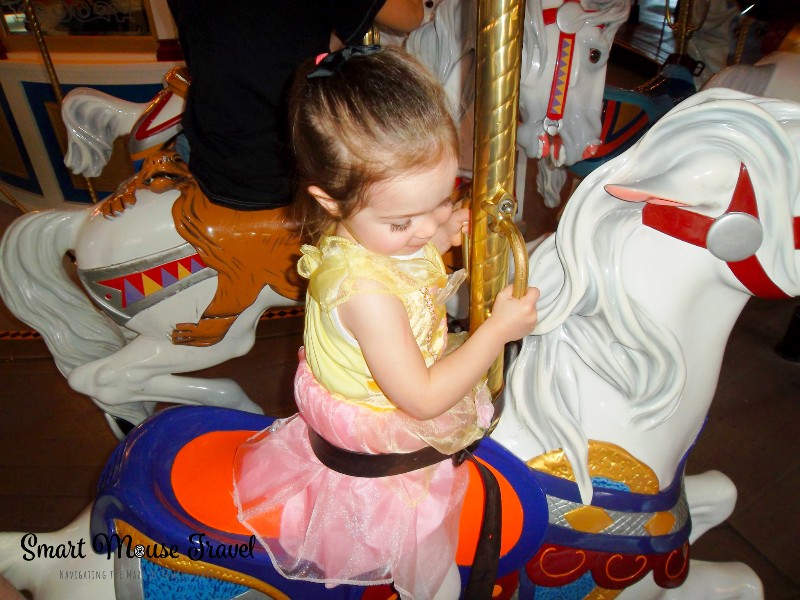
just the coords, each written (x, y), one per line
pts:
(332, 63)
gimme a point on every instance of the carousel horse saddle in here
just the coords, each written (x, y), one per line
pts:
(628, 113)
(165, 497)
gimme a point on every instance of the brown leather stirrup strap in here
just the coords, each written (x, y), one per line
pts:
(483, 573)
(358, 464)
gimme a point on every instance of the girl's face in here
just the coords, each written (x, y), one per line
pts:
(401, 215)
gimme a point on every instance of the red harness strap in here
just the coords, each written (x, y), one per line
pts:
(563, 66)
(693, 228)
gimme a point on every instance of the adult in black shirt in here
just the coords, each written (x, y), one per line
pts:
(241, 56)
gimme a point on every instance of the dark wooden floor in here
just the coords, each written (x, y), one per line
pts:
(54, 442)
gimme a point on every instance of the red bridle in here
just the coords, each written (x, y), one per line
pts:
(700, 230)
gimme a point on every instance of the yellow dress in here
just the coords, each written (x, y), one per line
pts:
(340, 529)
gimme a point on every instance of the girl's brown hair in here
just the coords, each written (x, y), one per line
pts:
(382, 115)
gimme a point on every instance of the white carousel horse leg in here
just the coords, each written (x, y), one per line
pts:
(197, 390)
(550, 180)
(57, 565)
(706, 581)
(123, 384)
(143, 371)
(712, 497)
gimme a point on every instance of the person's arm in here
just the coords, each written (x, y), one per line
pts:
(379, 323)
(401, 15)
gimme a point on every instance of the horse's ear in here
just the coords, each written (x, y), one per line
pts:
(330, 205)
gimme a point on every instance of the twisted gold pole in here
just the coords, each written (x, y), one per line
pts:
(33, 22)
(498, 57)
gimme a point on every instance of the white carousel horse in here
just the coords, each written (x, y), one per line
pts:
(567, 58)
(144, 277)
(568, 45)
(655, 256)
(565, 50)
(123, 357)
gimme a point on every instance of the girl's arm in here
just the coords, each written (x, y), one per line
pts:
(400, 15)
(379, 323)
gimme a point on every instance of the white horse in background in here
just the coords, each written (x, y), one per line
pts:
(568, 46)
(129, 364)
(567, 59)
(636, 309)
(565, 50)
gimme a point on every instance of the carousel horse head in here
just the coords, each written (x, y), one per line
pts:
(655, 256)
(566, 44)
(565, 51)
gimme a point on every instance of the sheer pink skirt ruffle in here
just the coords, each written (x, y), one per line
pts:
(339, 529)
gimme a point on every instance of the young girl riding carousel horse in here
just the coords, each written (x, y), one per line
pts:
(376, 155)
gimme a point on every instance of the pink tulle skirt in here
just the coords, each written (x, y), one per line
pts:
(320, 525)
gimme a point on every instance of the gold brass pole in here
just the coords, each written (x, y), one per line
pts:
(499, 56)
(683, 29)
(33, 21)
(373, 36)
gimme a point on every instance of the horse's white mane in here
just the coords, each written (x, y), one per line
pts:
(584, 306)
(446, 45)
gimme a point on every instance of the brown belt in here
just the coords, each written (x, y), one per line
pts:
(358, 464)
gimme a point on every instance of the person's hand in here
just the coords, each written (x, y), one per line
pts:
(514, 318)
(449, 232)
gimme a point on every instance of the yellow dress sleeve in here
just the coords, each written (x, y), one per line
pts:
(338, 270)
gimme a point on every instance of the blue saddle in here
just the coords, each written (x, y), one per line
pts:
(164, 498)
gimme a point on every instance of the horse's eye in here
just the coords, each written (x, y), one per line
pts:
(594, 55)
(429, 4)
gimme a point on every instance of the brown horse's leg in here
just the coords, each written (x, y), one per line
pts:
(248, 249)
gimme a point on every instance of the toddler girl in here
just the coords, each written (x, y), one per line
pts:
(376, 155)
